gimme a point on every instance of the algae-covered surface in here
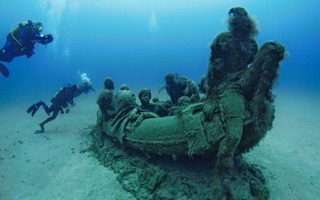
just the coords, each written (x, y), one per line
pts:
(162, 177)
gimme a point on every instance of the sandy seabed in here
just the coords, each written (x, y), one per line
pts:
(55, 165)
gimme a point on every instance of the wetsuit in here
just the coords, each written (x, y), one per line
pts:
(60, 100)
(21, 41)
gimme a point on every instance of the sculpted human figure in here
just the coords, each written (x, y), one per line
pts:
(105, 100)
(146, 106)
(183, 102)
(231, 53)
(181, 86)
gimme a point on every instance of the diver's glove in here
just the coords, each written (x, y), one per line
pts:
(46, 39)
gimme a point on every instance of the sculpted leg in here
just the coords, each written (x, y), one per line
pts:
(232, 115)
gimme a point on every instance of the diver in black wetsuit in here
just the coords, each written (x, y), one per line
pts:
(85, 86)
(21, 41)
(60, 100)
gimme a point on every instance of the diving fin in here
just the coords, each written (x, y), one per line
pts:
(33, 109)
(4, 70)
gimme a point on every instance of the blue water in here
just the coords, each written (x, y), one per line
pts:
(138, 42)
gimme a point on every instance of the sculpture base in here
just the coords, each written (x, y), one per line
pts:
(165, 177)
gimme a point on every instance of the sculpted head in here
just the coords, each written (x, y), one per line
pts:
(240, 24)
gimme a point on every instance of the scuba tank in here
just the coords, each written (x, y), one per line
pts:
(24, 30)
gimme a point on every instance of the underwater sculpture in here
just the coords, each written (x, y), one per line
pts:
(236, 114)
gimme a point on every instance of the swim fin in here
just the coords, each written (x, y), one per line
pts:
(33, 109)
(4, 70)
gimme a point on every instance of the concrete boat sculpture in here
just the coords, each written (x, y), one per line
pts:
(236, 114)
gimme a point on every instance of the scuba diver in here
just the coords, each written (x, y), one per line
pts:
(60, 100)
(21, 41)
(85, 86)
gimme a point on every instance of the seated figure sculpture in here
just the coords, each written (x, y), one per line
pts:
(147, 106)
(177, 87)
(104, 100)
(147, 109)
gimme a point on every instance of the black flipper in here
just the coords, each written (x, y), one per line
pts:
(40, 131)
(4, 70)
(31, 108)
